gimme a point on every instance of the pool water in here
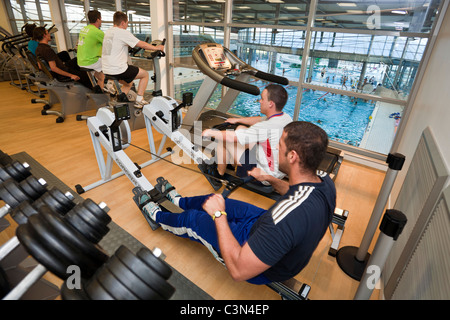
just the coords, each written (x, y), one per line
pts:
(345, 119)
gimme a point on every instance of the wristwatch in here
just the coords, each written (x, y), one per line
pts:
(217, 214)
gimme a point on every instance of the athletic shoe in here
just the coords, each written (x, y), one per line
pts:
(140, 104)
(211, 174)
(150, 209)
(109, 88)
(164, 186)
(147, 206)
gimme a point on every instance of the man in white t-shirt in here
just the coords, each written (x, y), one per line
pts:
(116, 43)
(254, 143)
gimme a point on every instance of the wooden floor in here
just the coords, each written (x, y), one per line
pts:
(66, 150)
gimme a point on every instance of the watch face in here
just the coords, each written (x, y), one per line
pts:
(217, 214)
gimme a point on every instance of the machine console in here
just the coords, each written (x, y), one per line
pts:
(215, 56)
(122, 112)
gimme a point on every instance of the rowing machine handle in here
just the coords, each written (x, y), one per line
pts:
(226, 192)
(271, 77)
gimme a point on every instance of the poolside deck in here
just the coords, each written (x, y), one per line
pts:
(381, 130)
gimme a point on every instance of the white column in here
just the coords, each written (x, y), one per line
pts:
(158, 20)
(57, 20)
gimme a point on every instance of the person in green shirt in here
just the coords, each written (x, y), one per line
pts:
(89, 50)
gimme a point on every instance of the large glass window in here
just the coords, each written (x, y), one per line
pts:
(198, 11)
(411, 16)
(29, 11)
(292, 13)
(355, 84)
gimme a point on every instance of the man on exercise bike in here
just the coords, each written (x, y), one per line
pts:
(257, 245)
(61, 65)
(116, 44)
(89, 48)
(254, 142)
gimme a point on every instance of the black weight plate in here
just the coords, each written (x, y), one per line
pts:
(18, 171)
(72, 294)
(84, 253)
(84, 211)
(98, 212)
(11, 193)
(113, 286)
(93, 225)
(22, 212)
(14, 170)
(95, 290)
(32, 188)
(145, 272)
(157, 264)
(49, 237)
(56, 200)
(130, 280)
(92, 218)
(27, 238)
(82, 227)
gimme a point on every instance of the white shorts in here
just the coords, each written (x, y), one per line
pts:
(95, 66)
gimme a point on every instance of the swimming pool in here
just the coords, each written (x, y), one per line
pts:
(345, 119)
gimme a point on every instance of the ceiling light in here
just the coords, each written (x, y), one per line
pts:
(399, 11)
(346, 4)
(292, 8)
(275, 1)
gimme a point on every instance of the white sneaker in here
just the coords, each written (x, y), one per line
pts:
(150, 209)
(109, 88)
(140, 104)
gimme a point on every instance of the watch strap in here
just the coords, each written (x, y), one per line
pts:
(223, 213)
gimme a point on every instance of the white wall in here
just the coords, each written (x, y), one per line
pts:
(431, 107)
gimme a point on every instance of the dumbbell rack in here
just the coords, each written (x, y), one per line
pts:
(18, 263)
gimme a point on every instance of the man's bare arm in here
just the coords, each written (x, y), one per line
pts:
(280, 186)
(241, 262)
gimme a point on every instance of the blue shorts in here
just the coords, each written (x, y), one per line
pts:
(197, 225)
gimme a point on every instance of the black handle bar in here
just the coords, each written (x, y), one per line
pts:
(241, 86)
(271, 77)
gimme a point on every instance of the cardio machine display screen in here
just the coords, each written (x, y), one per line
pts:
(216, 57)
(122, 112)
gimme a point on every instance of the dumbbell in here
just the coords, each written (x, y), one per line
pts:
(56, 244)
(13, 192)
(14, 170)
(126, 276)
(54, 198)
